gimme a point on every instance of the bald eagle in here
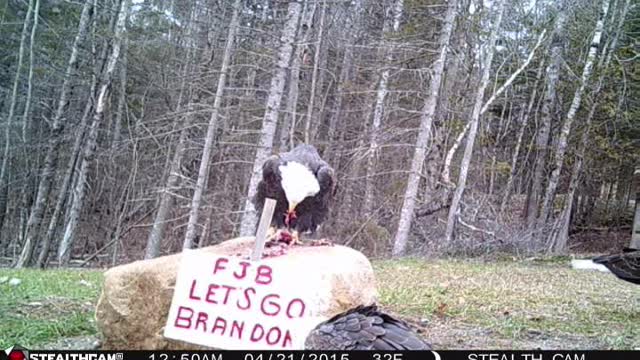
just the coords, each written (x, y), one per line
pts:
(364, 328)
(302, 185)
(626, 266)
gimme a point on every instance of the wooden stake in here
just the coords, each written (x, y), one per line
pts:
(263, 225)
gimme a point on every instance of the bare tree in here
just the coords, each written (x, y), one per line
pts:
(345, 77)
(203, 171)
(166, 196)
(270, 120)
(474, 121)
(548, 102)
(287, 130)
(526, 114)
(27, 106)
(557, 242)
(563, 137)
(35, 218)
(79, 192)
(308, 135)
(4, 171)
(391, 26)
(426, 121)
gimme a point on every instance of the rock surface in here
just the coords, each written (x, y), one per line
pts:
(135, 300)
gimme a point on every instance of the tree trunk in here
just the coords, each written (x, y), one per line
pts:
(287, 130)
(557, 244)
(473, 129)
(635, 188)
(122, 95)
(391, 26)
(64, 251)
(166, 197)
(516, 151)
(343, 81)
(446, 170)
(203, 171)
(426, 121)
(548, 102)
(265, 143)
(35, 218)
(561, 146)
(27, 106)
(4, 171)
(308, 135)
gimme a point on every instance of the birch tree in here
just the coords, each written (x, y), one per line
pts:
(79, 192)
(563, 137)
(557, 242)
(548, 103)
(426, 121)
(57, 126)
(391, 27)
(203, 171)
(270, 119)
(474, 121)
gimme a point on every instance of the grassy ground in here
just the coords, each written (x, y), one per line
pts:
(456, 304)
(47, 305)
(466, 304)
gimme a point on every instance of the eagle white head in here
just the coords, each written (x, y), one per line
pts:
(298, 183)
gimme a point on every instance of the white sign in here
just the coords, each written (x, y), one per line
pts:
(230, 303)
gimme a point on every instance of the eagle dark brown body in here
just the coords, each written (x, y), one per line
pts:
(625, 266)
(310, 212)
(364, 328)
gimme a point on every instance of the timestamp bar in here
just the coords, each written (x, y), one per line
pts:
(326, 355)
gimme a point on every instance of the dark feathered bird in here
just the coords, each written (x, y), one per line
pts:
(364, 328)
(302, 185)
(625, 266)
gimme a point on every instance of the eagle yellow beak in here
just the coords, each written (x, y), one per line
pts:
(292, 206)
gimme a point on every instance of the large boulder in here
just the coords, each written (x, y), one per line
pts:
(135, 300)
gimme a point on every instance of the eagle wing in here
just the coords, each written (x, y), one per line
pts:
(327, 179)
(625, 266)
(364, 328)
(267, 187)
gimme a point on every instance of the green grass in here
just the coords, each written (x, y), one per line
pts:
(515, 301)
(464, 304)
(47, 305)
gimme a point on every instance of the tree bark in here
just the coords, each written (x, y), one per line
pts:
(64, 251)
(35, 218)
(516, 152)
(426, 121)
(203, 171)
(4, 170)
(122, 95)
(26, 120)
(344, 80)
(391, 26)
(308, 135)
(548, 102)
(561, 146)
(287, 130)
(557, 243)
(473, 128)
(166, 196)
(265, 143)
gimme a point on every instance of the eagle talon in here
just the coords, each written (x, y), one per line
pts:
(295, 238)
